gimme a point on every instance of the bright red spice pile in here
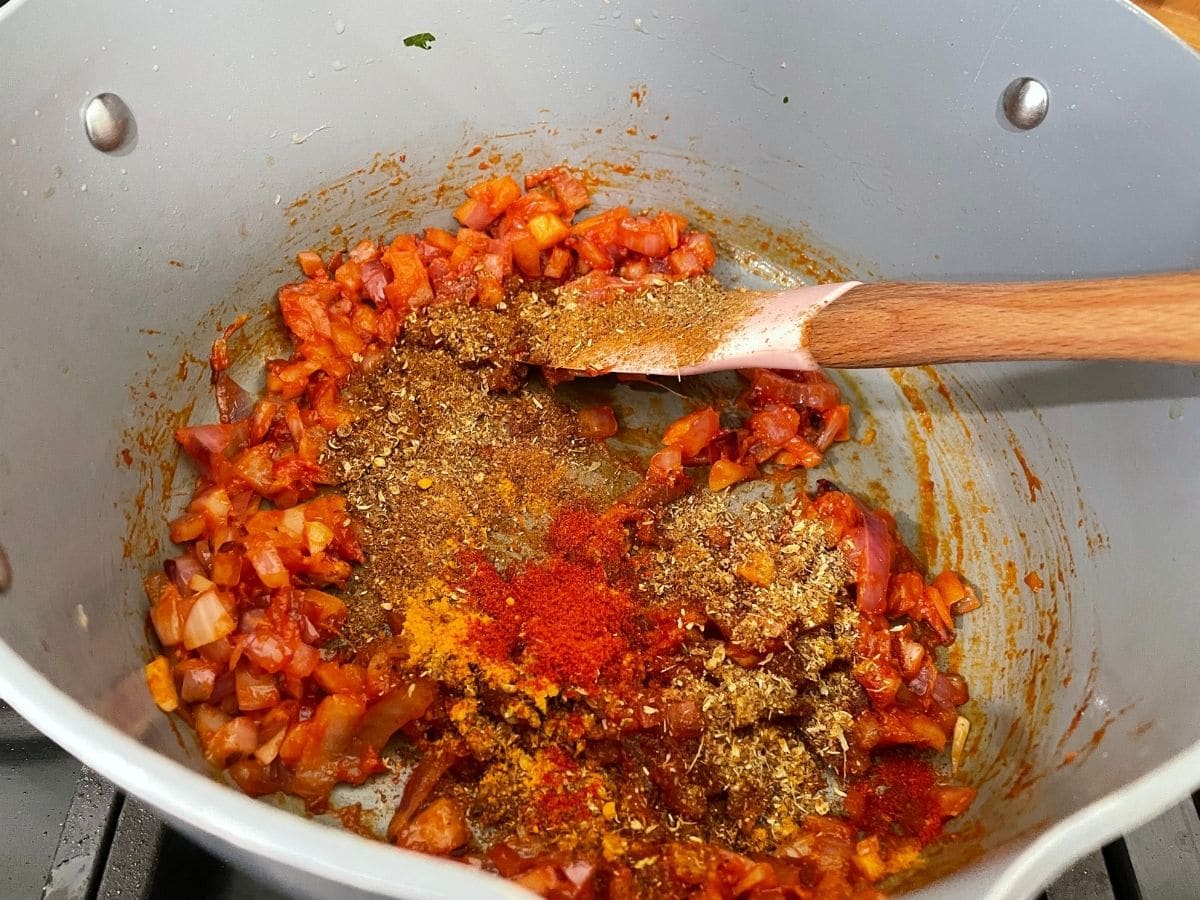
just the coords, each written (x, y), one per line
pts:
(904, 792)
(560, 618)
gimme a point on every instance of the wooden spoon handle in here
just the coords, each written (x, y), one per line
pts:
(1152, 317)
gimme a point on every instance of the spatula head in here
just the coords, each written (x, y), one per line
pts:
(686, 328)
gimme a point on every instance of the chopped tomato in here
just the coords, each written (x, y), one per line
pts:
(311, 265)
(644, 236)
(305, 308)
(692, 433)
(409, 287)
(547, 230)
(474, 213)
(597, 422)
(725, 472)
(161, 684)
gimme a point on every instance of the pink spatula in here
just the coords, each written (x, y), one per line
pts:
(854, 325)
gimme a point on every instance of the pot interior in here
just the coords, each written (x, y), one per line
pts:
(119, 269)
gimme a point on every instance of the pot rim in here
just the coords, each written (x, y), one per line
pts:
(232, 817)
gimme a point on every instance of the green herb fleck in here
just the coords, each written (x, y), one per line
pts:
(422, 40)
(785, 99)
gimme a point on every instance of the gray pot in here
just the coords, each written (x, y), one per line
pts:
(874, 131)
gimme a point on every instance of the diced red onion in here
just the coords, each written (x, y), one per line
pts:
(181, 569)
(213, 438)
(207, 621)
(236, 738)
(197, 684)
(269, 749)
(951, 689)
(874, 564)
(234, 403)
(268, 564)
(209, 720)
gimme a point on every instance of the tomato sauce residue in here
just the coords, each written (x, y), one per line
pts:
(1031, 480)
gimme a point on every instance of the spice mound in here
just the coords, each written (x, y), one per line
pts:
(600, 673)
(668, 325)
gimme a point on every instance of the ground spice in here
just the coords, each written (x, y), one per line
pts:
(899, 791)
(666, 327)
(555, 628)
(708, 543)
(558, 618)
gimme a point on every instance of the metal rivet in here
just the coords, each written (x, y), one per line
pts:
(1026, 102)
(108, 122)
(5, 572)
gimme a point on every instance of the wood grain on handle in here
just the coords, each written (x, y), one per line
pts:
(1181, 16)
(1153, 317)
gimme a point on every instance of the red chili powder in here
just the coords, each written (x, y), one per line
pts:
(895, 796)
(560, 617)
(579, 534)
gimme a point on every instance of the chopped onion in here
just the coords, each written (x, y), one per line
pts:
(233, 402)
(166, 618)
(207, 621)
(268, 564)
(214, 503)
(233, 740)
(665, 462)
(292, 522)
(182, 568)
(269, 749)
(304, 659)
(267, 652)
(199, 584)
(187, 527)
(209, 720)
(962, 728)
(226, 566)
(335, 723)
(255, 692)
(374, 280)
(424, 777)
(213, 438)
(197, 680)
(912, 654)
(318, 535)
(923, 681)
(225, 684)
(219, 651)
(322, 610)
(394, 710)
(950, 688)
(579, 872)
(874, 564)
(250, 620)
(811, 389)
